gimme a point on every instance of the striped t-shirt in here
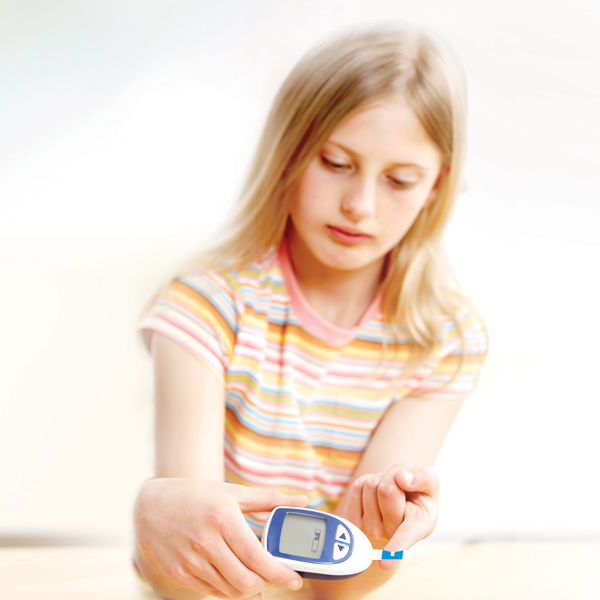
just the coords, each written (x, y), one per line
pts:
(302, 396)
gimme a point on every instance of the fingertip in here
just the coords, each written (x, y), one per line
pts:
(296, 584)
(359, 484)
(405, 477)
(371, 483)
(281, 575)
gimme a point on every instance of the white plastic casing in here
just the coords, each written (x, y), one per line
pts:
(358, 560)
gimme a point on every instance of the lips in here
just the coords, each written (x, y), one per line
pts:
(348, 235)
(349, 230)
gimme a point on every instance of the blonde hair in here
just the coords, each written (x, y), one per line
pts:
(326, 86)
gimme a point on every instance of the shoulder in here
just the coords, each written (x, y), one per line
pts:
(460, 331)
(218, 288)
(207, 297)
(452, 370)
(228, 290)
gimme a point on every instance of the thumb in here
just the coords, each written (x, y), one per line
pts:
(408, 534)
(257, 500)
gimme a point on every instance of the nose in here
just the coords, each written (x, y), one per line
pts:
(359, 201)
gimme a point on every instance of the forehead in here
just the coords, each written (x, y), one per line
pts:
(389, 131)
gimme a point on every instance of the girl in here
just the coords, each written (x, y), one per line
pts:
(320, 353)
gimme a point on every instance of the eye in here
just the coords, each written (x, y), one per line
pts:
(333, 164)
(403, 184)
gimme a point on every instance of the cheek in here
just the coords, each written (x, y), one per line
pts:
(311, 197)
(304, 210)
(397, 217)
(314, 183)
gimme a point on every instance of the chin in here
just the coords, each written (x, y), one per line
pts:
(336, 260)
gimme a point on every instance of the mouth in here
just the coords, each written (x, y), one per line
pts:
(348, 235)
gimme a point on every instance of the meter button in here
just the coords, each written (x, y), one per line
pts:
(340, 551)
(342, 535)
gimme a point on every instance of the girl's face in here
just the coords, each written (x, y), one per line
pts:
(365, 187)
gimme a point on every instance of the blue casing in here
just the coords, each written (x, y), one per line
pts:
(356, 552)
(326, 556)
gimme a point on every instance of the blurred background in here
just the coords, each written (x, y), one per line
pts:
(125, 130)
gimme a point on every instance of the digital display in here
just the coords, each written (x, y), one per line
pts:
(302, 535)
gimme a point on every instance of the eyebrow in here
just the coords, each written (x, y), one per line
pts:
(394, 165)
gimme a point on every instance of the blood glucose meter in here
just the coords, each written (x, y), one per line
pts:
(318, 545)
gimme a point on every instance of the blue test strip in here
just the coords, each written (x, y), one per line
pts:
(387, 555)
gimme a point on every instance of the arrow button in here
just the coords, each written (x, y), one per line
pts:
(340, 551)
(342, 535)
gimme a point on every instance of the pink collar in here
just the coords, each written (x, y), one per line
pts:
(312, 322)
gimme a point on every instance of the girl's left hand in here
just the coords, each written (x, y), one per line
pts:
(397, 508)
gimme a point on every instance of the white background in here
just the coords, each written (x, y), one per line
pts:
(126, 127)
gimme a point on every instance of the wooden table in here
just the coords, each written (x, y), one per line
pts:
(487, 571)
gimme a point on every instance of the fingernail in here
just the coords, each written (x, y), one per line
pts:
(408, 476)
(295, 585)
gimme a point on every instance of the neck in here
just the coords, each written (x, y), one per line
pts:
(339, 296)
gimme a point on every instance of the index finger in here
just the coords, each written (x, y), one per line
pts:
(245, 545)
(392, 503)
(409, 533)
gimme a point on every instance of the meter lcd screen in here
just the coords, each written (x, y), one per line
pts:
(302, 535)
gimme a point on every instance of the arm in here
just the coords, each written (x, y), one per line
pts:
(413, 429)
(191, 536)
(189, 417)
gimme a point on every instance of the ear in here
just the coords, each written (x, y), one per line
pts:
(437, 185)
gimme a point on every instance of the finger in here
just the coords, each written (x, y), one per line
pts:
(246, 547)
(392, 503)
(409, 533)
(170, 570)
(372, 520)
(354, 507)
(259, 500)
(229, 574)
(194, 573)
(418, 479)
(420, 519)
(208, 574)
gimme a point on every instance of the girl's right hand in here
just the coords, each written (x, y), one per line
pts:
(194, 530)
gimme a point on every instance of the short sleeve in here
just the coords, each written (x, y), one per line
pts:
(200, 312)
(453, 370)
